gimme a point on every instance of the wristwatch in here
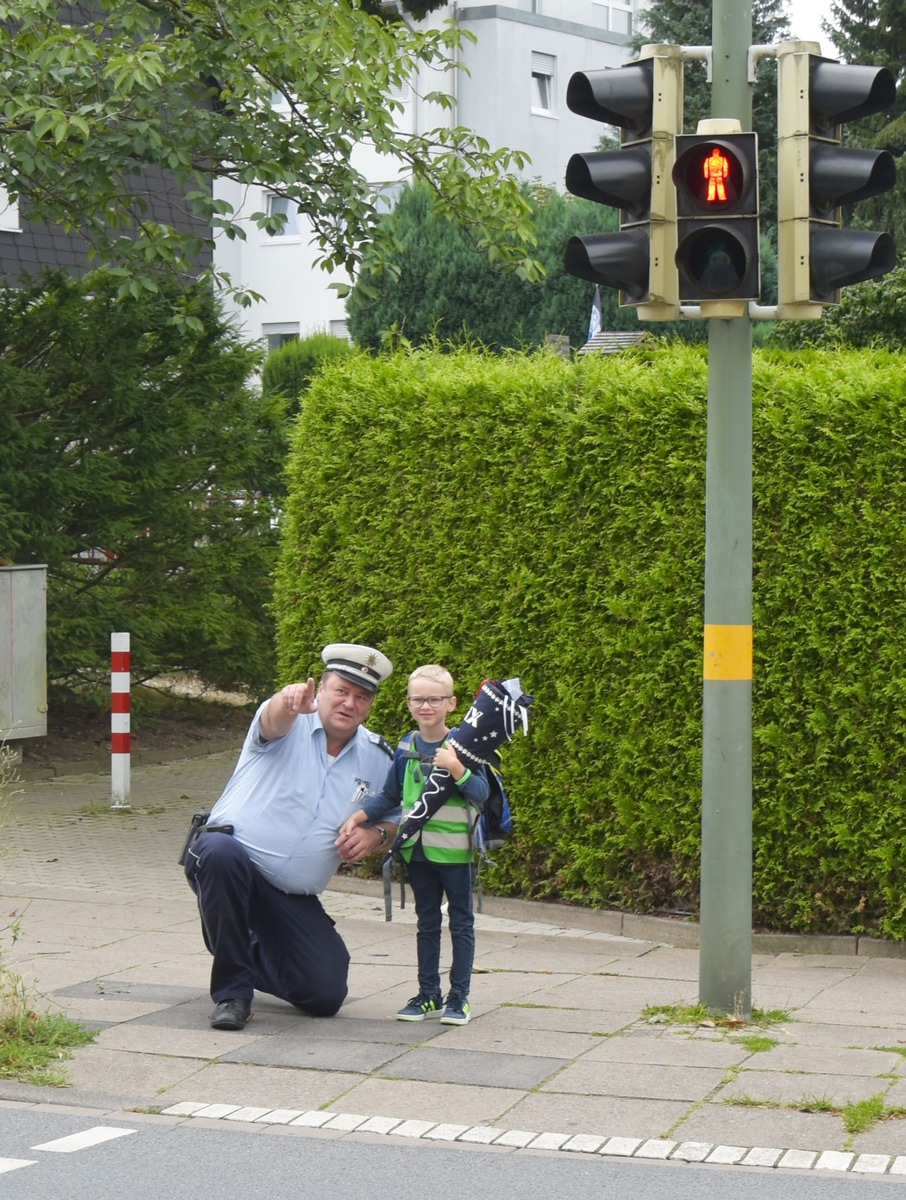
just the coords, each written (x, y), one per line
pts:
(383, 832)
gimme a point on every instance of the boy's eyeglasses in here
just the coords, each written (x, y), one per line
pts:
(431, 701)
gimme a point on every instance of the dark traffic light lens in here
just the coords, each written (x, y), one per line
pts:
(713, 263)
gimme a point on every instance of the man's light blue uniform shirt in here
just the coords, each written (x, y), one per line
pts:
(286, 807)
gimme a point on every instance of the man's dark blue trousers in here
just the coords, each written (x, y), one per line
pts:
(262, 938)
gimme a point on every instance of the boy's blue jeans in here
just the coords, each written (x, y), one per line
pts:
(430, 882)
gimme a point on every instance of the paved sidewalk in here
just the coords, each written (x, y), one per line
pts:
(558, 1055)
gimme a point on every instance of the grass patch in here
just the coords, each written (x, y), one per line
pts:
(815, 1104)
(33, 1044)
(857, 1117)
(756, 1043)
(700, 1014)
(862, 1114)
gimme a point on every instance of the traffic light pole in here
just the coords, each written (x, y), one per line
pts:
(725, 956)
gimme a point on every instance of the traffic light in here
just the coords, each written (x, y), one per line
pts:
(816, 177)
(716, 178)
(645, 100)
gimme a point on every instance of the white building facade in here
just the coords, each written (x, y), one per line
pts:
(511, 92)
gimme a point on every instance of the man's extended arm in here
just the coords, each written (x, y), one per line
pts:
(281, 710)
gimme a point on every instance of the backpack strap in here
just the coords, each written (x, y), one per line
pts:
(405, 749)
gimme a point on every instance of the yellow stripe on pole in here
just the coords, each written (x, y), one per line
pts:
(728, 652)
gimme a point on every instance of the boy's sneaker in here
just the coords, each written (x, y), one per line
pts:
(457, 1011)
(420, 1007)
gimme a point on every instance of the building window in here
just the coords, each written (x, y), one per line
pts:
(620, 20)
(543, 83)
(616, 18)
(281, 206)
(9, 214)
(340, 329)
(279, 334)
(401, 91)
(385, 196)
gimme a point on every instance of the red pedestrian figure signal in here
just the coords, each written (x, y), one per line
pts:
(716, 168)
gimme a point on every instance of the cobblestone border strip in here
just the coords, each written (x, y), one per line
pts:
(579, 1143)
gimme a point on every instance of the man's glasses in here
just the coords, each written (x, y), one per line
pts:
(431, 701)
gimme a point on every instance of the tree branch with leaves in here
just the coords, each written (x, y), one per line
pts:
(96, 105)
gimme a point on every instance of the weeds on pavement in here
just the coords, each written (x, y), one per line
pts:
(32, 1044)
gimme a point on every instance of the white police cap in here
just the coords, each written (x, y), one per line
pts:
(358, 664)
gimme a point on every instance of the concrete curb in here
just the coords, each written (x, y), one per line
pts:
(682, 933)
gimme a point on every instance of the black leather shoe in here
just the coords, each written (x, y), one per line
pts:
(231, 1014)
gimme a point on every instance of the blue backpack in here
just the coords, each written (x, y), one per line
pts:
(495, 821)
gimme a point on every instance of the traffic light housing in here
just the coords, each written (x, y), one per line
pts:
(716, 180)
(645, 100)
(816, 177)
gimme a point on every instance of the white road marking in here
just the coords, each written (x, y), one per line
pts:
(12, 1164)
(81, 1141)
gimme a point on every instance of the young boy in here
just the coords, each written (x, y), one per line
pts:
(440, 858)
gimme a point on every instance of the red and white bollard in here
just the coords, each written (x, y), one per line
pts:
(120, 710)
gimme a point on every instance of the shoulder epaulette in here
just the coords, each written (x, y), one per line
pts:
(382, 742)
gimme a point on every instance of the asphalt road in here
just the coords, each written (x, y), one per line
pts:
(45, 1155)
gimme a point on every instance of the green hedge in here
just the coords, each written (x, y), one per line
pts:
(525, 515)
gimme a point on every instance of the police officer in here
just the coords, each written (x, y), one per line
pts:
(307, 755)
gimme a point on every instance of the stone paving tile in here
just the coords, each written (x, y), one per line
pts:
(782, 998)
(475, 1067)
(835, 962)
(727, 1124)
(193, 1015)
(783, 1088)
(512, 987)
(283, 1050)
(664, 962)
(411, 1099)
(379, 1008)
(102, 1012)
(617, 992)
(574, 957)
(666, 1051)
(604, 1115)
(182, 1043)
(896, 1094)
(120, 990)
(97, 1069)
(863, 993)
(887, 1137)
(367, 978)
(834, 1036)
(813, 976)
(820, 1061)
(273, 1087)
(537, 1020)
(866, 1017)
(645, 1081)
(504, 1037)
(345, 1028)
